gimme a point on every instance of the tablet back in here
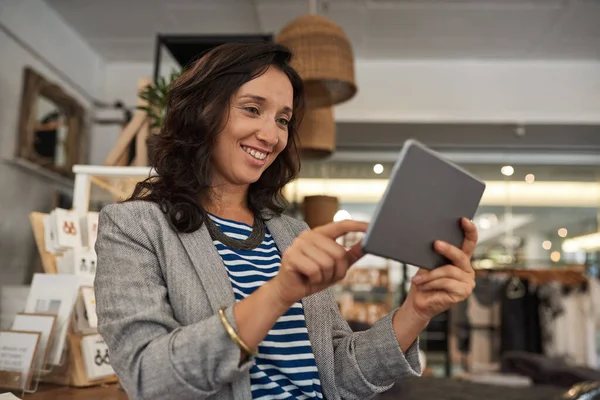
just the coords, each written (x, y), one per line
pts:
(424, 201)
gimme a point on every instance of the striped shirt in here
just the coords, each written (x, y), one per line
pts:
(285, 367)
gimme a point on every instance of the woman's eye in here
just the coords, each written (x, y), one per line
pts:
(252, 110)
(284, 121)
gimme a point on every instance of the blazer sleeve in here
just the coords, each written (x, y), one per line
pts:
(152, 354)
(369, 362)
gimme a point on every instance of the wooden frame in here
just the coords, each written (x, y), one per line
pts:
(34, 87)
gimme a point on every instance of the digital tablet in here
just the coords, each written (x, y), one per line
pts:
(424, 201)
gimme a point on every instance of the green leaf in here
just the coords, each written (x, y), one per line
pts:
(157, 96)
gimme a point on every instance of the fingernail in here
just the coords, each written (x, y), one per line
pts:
(417, 279)
(441, 245)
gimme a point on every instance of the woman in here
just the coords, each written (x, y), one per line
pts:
(205, 290)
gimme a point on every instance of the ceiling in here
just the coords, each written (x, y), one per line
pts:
(125, 30)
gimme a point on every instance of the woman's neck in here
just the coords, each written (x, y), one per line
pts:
(230, 203)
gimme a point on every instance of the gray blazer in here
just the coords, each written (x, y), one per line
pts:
(158, 293)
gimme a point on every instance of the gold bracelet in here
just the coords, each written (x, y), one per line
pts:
(234, 336)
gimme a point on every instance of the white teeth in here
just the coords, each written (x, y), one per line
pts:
(256, 154)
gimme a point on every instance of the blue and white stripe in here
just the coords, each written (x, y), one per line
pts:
(285, 367)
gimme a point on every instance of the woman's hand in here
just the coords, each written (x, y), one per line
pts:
(433, 292)
(316, 261)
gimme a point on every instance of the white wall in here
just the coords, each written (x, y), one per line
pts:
(475, 91)
(34, 23)
(122, 77)
(446, 91)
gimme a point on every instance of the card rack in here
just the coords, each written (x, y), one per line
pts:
(72, 372)
(118, 181)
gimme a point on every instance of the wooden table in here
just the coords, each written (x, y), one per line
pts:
(55, 392)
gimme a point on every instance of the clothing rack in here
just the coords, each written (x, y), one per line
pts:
(572, 276)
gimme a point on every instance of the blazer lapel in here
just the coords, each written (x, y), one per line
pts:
(316, 313)
(210, 268)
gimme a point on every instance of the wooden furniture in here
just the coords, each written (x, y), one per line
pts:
(72, 372)
(56, 392)
(137, 129)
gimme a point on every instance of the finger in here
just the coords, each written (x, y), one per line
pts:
(448, 285)
(471, 237)
(334, 230)
(308, 268)
(456, 256)
(355, 253)
(328, 245)
(447, 271)
(324, 261)
(337, 253)
(341, 268)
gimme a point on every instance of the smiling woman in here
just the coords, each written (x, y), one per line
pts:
(205, 289)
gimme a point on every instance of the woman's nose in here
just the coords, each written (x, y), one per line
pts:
(268, 133)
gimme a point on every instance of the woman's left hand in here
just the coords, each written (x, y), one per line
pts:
(434, 291)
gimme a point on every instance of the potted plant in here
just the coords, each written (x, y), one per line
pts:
(156, 95)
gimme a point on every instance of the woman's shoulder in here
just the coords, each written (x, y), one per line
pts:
(297, 225)
(136, 212)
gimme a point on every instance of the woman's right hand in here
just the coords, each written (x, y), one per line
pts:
(316, 261)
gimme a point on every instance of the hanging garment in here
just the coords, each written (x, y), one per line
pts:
(575, 330)
(520, 328)
(551, 307)
(484, 323)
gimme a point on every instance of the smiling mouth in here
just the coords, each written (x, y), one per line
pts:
(255, 153)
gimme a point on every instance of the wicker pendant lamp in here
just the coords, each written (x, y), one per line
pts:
(319, 210)
(317, 133)
(322, 56)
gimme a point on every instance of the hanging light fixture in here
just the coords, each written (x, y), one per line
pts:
(322, 56)
(320, 210)
(317, 133)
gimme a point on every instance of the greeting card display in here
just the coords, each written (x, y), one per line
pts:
(65, 241)
(54, 294)
(91, 229)
(95, 357)
(17, 353)
(42, 323)
(85, 318)
(65, 230)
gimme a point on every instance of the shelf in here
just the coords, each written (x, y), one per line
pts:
(41, 172)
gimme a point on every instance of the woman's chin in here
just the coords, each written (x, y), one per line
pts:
(247, 179)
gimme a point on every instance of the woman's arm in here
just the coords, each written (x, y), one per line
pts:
(371, 361)
(152, 354)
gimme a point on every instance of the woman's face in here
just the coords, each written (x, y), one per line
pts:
(256, 130)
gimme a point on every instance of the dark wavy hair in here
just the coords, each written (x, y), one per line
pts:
(197, 110)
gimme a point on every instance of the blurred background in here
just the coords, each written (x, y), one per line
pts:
(507, 89)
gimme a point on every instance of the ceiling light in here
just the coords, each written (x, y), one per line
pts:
(562, 232)
(341, 215)
(486, 221)
(507, 170)
(587, 243)
(555, 256)
(378, 168)
(547, 245)
(530, 178)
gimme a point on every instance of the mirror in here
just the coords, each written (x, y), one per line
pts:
(51, 126)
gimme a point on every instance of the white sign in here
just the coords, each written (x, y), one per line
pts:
(17, 353)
